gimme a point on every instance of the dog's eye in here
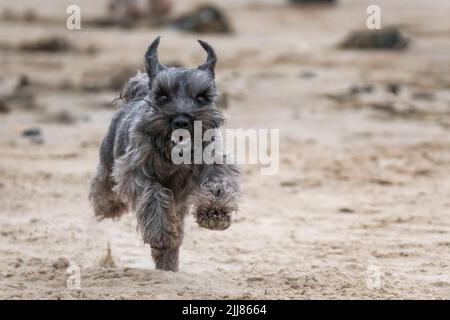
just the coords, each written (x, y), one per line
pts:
(162, 98)
(201, 99)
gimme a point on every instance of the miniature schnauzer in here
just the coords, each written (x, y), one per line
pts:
(136, 171)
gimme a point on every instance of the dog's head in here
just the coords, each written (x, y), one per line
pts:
(180, 96)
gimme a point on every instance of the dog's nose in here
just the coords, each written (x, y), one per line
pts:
(181, 122)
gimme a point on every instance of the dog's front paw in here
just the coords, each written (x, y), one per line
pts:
(213, 219)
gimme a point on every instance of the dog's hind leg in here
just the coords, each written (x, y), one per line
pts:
(105, 201)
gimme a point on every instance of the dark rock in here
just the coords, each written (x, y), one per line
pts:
(139, 10)
(358, 89)
(130, 14)
(24, 81)
(307, 74)
(108, 22)
(393, 88)
(346, 210)
(28, 16)
(387, 38)
(49, 44)
(204, 19)
(31, 132)
(61, 263)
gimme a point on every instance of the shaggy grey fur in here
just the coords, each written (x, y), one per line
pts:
(136, 172)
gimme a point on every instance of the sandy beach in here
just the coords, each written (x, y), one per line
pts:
(363, 188)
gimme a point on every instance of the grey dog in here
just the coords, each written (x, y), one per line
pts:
(136, 171)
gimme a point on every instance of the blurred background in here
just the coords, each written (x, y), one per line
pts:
(364, 119)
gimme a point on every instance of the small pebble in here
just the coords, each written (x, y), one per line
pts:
(31, 132)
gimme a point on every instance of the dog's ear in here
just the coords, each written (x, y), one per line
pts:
(211, 59)
(152, 65)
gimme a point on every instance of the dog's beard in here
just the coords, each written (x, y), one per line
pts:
(158, 129)
(164, 140)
